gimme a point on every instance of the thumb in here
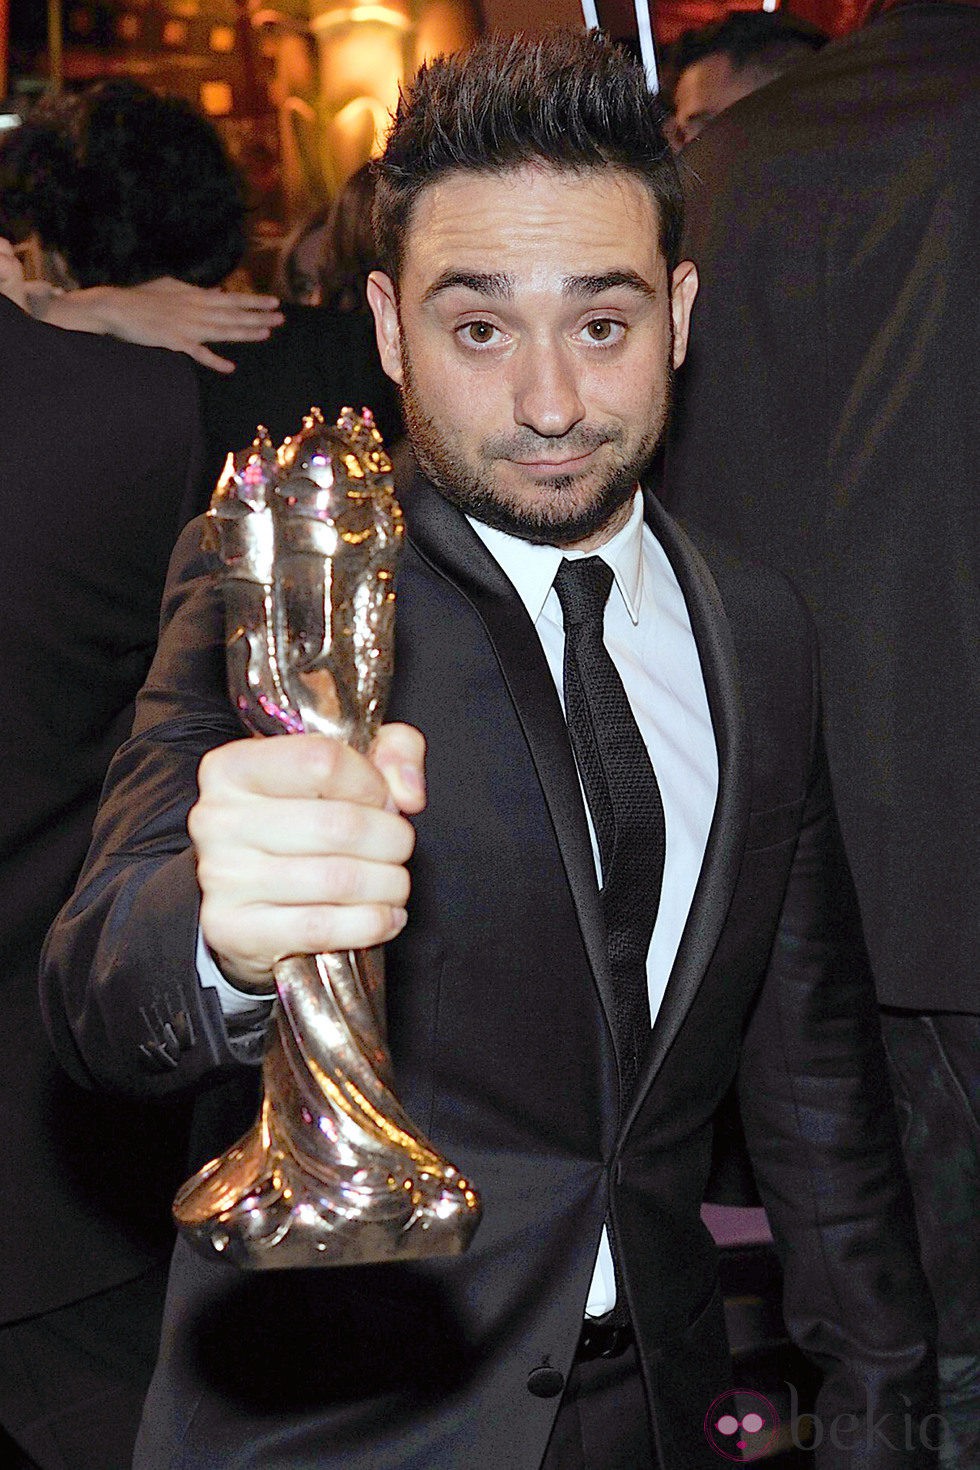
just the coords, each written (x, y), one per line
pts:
(398, 753)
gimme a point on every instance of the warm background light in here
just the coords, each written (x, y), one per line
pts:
(301, 89)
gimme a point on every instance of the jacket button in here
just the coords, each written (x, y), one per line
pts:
(545, 1383)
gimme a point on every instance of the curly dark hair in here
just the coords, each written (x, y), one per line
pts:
(127, 185)
(571, 100)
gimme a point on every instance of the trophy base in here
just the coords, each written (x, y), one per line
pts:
(256, 1209)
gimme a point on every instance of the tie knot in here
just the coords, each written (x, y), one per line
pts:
(583, 589)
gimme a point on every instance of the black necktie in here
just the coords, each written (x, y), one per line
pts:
(624, 800)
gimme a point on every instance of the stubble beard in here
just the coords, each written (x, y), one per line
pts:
(565, 517)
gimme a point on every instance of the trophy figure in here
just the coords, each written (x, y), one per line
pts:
(333, 1172)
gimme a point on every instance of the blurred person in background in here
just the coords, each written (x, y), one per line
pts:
(122, 188)
(323, 354)
(97, 477)
(327, 260)
(296, 278)
(827, 421)
(349, 253)
(720, 64)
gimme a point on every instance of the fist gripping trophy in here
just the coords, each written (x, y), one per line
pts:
(332, 1172)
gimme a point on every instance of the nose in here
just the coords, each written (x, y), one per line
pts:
(546, 393)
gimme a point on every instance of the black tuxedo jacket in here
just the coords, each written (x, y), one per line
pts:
(829, 424)
(97, 470)
(498, 1000)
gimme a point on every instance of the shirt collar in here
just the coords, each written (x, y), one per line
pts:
(533, 568)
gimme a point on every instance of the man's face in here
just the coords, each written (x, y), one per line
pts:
(706, 88)
(533, 335)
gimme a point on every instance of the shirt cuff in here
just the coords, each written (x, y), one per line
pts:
(233, 1002)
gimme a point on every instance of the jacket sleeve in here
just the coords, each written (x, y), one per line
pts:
(821, 1129)
(119, 987)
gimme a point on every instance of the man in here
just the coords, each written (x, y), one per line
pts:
(830, 424)
(130, 201)
(726, 61)
(532, 308)
(98, 476)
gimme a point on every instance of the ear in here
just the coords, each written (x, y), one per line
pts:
(683, 289)
(383, 301)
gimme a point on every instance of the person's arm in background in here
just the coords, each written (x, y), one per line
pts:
(162, 313)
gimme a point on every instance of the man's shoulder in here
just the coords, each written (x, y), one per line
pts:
(95, 366)
(747, 585)
(915, 67)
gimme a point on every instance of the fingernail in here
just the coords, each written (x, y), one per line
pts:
(410, 776)
(399, 918)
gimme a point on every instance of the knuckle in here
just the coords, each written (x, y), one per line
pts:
(219, 932)
(218, 767)
(197, 823)
(314, 931)
(340, 825)
(209, 827)
(208, 771)
(212, 875)
(322, 756)
(340, 879)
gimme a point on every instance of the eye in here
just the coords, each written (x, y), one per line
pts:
(603, 329)
(478, 334)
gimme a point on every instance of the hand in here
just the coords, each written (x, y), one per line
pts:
(12, 282)
(301, 846)
(172, 314)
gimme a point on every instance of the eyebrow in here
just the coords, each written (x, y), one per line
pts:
(484, 283)
(500, 286)
(595, 285)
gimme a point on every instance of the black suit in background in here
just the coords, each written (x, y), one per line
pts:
(497, 1003)
(97, 470)
(829, 423)
(317, 357)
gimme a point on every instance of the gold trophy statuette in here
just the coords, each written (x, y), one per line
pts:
(333, 1171)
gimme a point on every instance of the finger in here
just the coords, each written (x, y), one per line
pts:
(235, 331)
(242, 880)
(398, 753)
(207, 358)
(251, 301)
(229, 308)
(284, 827)
(306, 766)
(251, 942)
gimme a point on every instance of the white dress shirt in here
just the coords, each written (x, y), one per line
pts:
(648, 636)
(647, 633)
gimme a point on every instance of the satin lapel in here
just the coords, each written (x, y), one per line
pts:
(729, 825)
(447, 543)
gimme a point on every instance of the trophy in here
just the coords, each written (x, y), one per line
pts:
(333, 1172)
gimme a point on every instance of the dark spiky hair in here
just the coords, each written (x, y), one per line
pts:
(573, 100)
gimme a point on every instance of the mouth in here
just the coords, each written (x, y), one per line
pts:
(565, 466)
